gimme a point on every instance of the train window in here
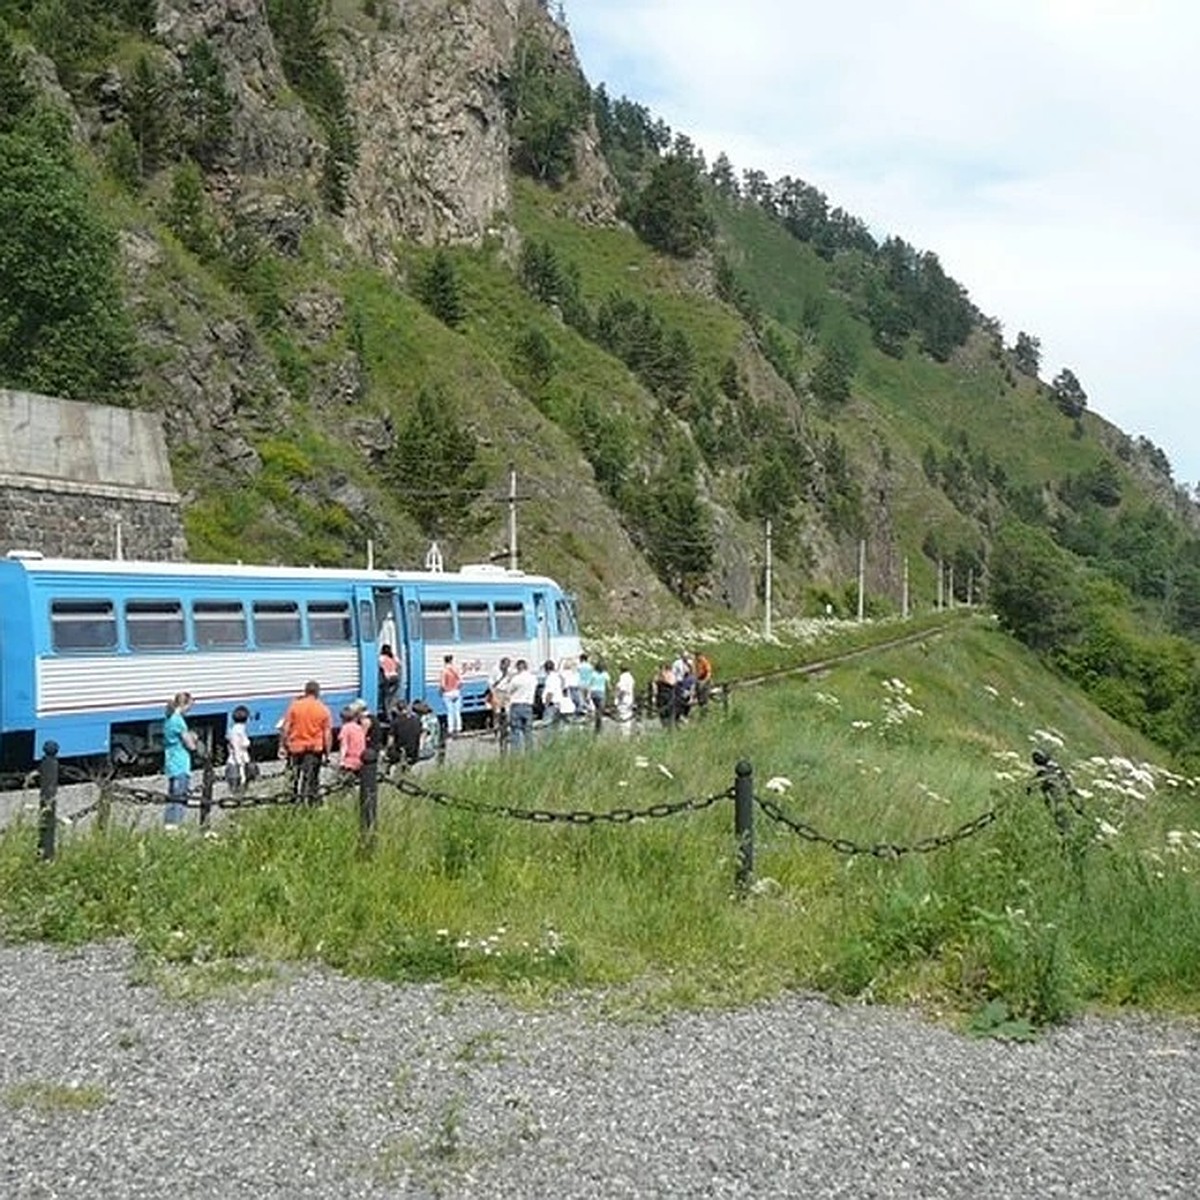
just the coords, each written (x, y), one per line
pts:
(474, 623)
(219, 623)
(329, 622)
(510, 620)
(565, 612)
(154, 624)
(437, 623)
(366, 620)
(277, 623)
(83, 624)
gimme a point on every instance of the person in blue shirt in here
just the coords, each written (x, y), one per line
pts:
(586, 671)
(178, 743)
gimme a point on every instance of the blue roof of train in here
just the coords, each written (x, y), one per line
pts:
(96, 566)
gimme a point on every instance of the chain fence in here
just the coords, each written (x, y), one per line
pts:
(546, 816)
(885, 850)
(288, 790)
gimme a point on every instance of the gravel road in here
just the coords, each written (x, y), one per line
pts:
(309, 1084)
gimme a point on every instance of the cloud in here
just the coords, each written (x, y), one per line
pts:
(1042, 148)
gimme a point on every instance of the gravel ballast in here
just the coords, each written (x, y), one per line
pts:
(311, 1084)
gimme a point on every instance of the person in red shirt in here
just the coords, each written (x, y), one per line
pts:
(352, 736)
(307, 737)
(389, 678)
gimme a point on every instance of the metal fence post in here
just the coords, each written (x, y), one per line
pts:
(48, 801)
(368, 798)
(743, 823)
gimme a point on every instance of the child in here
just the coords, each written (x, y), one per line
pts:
(237, 765)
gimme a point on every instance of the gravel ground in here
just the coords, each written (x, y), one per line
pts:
(309, 1084)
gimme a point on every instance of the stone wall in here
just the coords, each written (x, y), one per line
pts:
(85, 481)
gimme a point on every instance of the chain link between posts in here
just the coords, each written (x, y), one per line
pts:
(885, 850)
(546, 816)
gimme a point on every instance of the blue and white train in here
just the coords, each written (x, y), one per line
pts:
(91, 651)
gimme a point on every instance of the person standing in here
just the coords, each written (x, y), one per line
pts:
(704, 680)
(237, 740)
(599, 693)
(626, 693)
(571, 689)
(586, 670)
(352, 737)
(664, 694)
(389, 677)
(522, 691)
(307, 735)
(553, 697)
(450, 685)
(497, 700)
(405, 746)
(178, 744)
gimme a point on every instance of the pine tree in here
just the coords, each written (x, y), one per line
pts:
(16, 96)
(208, 106)
(1027, 354)
(438, 289)
(434, 466)
(1069, 394)
(671, 212)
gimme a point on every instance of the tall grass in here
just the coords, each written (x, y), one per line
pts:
(1015, 920)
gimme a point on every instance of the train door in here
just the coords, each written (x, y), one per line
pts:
(541, 620)
(414, 647)
(368, 648)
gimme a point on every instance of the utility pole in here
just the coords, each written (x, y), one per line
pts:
(862, 577)
(904, 591)
(512, 516)
(767, 608)
(941, 588)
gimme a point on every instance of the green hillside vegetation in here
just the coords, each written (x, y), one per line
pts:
(729, 351)
(1018, 924)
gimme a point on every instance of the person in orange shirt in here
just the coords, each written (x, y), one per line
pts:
(307, 736)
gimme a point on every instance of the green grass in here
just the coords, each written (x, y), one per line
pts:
(1014, 925)
(47, 1097)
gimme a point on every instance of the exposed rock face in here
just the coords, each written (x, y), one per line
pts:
(272, 134)
(428, 93)
(433, 135)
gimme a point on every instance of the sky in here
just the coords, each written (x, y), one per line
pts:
(1048, 151)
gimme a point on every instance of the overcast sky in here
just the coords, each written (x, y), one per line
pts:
(1048, 151)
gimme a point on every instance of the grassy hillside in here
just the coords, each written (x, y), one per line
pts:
(1016, 924)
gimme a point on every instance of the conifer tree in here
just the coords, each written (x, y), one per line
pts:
(434, 466)
(438, 289)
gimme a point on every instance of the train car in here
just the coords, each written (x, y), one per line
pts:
(91, 651)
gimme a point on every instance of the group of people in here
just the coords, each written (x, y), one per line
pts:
(404, 735)
(682, 686)
(572, 690)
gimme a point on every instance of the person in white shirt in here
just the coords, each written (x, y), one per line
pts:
(626, 691)
(522, 691)
(553, 697)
